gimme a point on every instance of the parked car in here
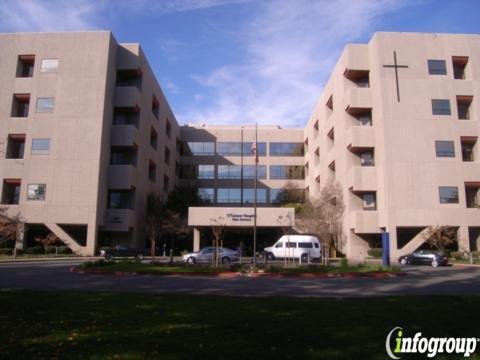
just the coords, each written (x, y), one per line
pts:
(424, 257)
(205, 255)
(121, 251)
(303, 247)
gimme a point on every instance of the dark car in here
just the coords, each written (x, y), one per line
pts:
(424, 257)
(121, 251)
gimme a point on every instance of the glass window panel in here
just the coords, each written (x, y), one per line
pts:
(40, 146)
(206, 171)
(45, 105)
(207, 194)
(49, 65)
(287, 172)
(36, 191)
(286, 149)
(200, 148)
(249, 196)
(441, 107)
(437, 67)
(448, 194)
(445, 148)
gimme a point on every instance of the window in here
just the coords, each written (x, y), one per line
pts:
(290, 244)
(207, 194)
(121, 199)
(152, 171)
(286, 149)
(468, 147)
(11, 191)
(235, 172)
(153, 138)
(441, 107)
(249, 196)
(276, 196)
(15, 146)
(249, 172)
(25, 66)
(445, 148)
(437, 67)
(129, 77)
(463, 106)
(366, 158)
(305, 245)
(167, 155)
(235, 148)
(459, 65)
(199, 149)
(472, 194)
(36, 191)
(168, 129)
(20, 105)
(155, 106)
(206, 171)
(292, 172)
(229, 195)
(365, 118)
(369, 201)
(126, 116)
(123, 155)
(49, 66)
(45, 105)
(279, 245)
(166, 183)
(40, 146)
(448, 194)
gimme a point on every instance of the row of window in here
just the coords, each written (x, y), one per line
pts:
(193, 148)
(11, 191)
(446, 148)
(439, 67)
(16, 146)
(234, 195)
(26, 65)
(192, 172)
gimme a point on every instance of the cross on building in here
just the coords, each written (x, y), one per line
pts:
(396, 67)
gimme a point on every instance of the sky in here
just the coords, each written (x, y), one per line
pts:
(242, 61)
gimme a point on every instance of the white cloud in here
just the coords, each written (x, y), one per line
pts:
(32, 15)
(291, 47)
(155, 8)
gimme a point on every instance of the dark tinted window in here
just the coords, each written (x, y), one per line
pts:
(305, 245)
(448, 194)
(291, 244)
(286, 149)
(437, 67)
(445, 148)
(441, 107)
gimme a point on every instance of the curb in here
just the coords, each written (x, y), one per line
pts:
(19, 260)
(226, 275)
(466, 265)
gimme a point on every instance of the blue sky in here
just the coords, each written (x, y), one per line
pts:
(242, 61)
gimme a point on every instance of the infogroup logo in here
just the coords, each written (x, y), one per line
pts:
(418, 344)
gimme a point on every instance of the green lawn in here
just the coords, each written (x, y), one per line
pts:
(132, 266)
(73, 325)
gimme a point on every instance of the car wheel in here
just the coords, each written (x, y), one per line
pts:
(191, 260)
(434, 263)
(225, 261)
(270, 256)
(139, 257)
(304, 258)
(403, 261)
(109, 257)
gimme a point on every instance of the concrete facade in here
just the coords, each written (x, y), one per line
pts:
(96, 81)
(403, 161)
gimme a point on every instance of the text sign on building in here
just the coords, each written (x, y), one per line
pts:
(240, 217)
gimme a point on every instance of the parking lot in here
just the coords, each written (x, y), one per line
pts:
(420, 280)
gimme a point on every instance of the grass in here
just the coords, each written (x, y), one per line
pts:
(35, 256)
(74, 325)
(132, 266)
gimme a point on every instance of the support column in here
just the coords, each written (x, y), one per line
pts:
(463, 239)
(20, 241)
(196, 239)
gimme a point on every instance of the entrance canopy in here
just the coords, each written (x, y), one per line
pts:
(241, 216)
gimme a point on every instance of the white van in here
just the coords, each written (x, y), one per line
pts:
(303, 247)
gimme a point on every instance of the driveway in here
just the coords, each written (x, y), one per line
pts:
(55, 275)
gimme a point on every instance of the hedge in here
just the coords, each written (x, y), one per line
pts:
(375, 252)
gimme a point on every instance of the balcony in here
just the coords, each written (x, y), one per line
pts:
(362, 178)
(118, 219)
(357, 99)
(356, 56)
(127, 96)
(363, 222)
(121, 176)
(360, 138)
(123, 135)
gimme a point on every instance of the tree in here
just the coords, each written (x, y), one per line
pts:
(440, 236)
(50, 239)
(173, 225)
(11, 228)
(155, 215)
(323, 216)
(219, 228)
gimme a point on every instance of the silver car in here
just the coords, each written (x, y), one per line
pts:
(205, 256)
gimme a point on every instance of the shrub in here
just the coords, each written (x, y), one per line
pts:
(37, 249)
(5, 251)
(459, 254)
(476, 254)
(344, 262)
(375, 252)
(63, 249)
(51, 249)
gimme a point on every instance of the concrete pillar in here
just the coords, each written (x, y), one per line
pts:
(91, 239)
(20, 241)
(463, 239)
(196, 239)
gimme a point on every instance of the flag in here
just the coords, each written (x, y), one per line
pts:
(254, 151)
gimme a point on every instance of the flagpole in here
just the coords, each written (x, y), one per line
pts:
(255, 203)
(241, 172)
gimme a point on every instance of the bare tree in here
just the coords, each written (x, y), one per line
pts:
(219, 228)
(323, 217)
(286, 225)
(50, 239)
(155, 216)
(440, 236)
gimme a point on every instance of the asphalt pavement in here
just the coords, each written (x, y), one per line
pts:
(55, 275)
